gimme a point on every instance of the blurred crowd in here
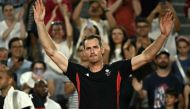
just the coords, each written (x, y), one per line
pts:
(126, 27)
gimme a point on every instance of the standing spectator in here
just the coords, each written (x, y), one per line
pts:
(155, 84)
(182, 59)
(12, 99)
(95, 11)
(126, 9)
(11, 26)
(40, 96)
(17, 62)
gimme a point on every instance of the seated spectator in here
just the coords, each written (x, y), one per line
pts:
(17, 62)
(182, 59)
(27, 80)
(10, 26)
(187, 9)
(171, 99)
(40, 96)
(11, 98)
(3, 55)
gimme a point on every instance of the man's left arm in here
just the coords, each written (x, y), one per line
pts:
(166, 26)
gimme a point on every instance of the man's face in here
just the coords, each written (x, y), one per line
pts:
(142, 29)
(162, 61)
(8, 11)
(41, 89)
(57, 31)
(4, 80)
(95, 9)
(17, 49)
(93, 51)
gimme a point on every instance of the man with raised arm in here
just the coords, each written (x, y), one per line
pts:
(98, 85)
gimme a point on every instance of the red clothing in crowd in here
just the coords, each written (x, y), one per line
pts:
(125, 16)
(50, 5)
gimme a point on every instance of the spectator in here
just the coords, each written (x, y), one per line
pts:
(116, 40)
(182, 59)
(12, 99)
(17, 62)
(126, 9)
(171, 99)
(3, 55)
(40, 97)
(154, 18)
(95, 11)
(155, 85)
(11, 26)
(27, 80)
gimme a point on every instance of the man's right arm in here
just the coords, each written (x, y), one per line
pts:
(46, 41)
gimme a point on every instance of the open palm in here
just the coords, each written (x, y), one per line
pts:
(39, 11)
(167, 23)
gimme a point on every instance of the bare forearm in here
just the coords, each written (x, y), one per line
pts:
(69, 30)
(136, 7)
(113, 8)
(45, 39)
(6, 33)
(111, 19)
(76, 13)
(152, 50)
(22, 30)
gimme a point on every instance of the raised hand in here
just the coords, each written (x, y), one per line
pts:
(167, 23)
(39, 11)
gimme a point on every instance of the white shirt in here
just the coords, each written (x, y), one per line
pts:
(14, 33)
(50, 104)
(23, 100)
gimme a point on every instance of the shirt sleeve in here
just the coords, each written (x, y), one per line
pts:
(124, 67)
(24, 101)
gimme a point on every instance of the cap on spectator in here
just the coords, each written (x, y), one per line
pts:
(183, 38)
(163, 51)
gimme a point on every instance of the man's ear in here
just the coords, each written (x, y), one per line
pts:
(102, 50)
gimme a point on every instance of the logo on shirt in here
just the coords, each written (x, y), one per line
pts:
(87, 74)
(108, 72)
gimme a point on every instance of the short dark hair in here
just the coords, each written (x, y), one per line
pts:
(14, 40)
(38, 61)
(171, 91)
(6, 4)
(94, 36)
(142, 20)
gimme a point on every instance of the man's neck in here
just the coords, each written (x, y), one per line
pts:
(96, 67)
(5, 91)
(169, 107)
(163, 72)
(183, 56)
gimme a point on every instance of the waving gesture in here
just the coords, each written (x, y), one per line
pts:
(167, 23)
(39, 11)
